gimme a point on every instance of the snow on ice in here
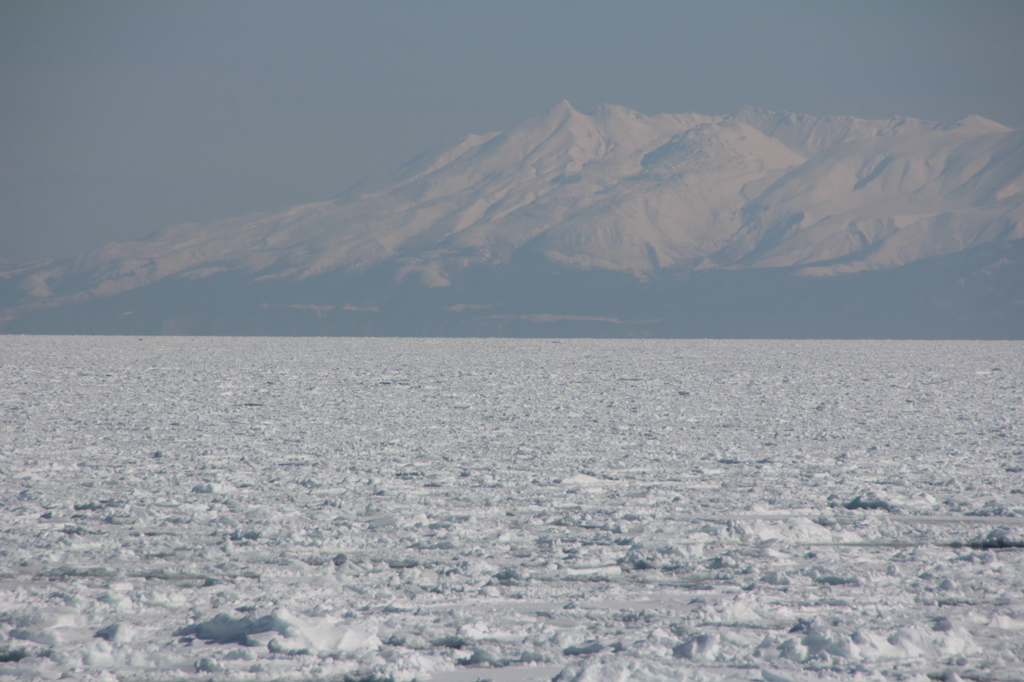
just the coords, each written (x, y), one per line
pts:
(400, 509)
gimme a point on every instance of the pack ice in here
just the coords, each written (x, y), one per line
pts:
(456, 510)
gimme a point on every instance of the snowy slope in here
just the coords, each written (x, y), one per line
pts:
(613, 191)
(890, 199)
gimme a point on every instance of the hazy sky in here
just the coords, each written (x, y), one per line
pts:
(120, 118)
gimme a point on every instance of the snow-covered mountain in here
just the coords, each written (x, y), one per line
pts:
(612, 218)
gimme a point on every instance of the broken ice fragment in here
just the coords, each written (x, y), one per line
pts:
(451, 642)
(868, 500)
(775, 578)
(1002, 537)
(247, 535)
(837, 580)
(223, 629)
(8, 655)
(699, 647)
(402, 563)
(117, 632)
(289, 646)
(208, 665)
(584, 649)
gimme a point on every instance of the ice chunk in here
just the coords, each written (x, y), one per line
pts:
(485, 655)
(289, 646)
(223, 629)
(1004, 622)
(322, 634)
(13, 655)
(701, 647)
(775, 578)
(584, 649)
(602, 668)
(403, 562)
(117, 632)
(1002, 537)
(869, 500)
(315, 634)
(208, 665)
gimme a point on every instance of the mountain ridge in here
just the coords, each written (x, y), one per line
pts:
(653, 198)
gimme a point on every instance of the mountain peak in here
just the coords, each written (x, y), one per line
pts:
(558, 113)
(974, 122)
(562, 107)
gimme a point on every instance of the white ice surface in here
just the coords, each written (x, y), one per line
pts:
(175, 508)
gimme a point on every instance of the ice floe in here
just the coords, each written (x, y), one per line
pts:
(372, 509)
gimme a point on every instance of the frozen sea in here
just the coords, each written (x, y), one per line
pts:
(457, 510)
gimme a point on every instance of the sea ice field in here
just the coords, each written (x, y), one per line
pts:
(484, 509)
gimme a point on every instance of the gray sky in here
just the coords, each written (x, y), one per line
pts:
(118, 118)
